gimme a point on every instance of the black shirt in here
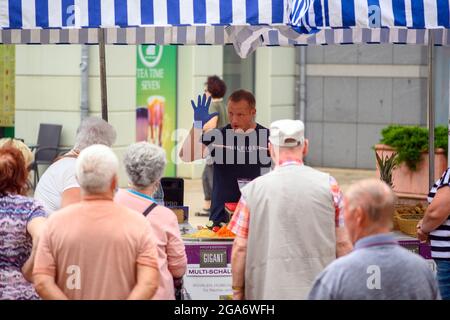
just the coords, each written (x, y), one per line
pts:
(235, 156)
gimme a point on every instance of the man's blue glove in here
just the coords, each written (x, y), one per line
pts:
(201, 111)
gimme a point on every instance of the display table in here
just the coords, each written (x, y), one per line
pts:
(208, 274)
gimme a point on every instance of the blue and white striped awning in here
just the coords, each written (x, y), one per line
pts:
(411, 14)
(137, 21)
(246, 24)
(44, 14)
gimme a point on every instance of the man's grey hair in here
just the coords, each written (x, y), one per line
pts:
(96, 166)
(93, 130)
(144, 163)
(375, 197)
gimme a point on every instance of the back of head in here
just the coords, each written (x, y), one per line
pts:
(144, 163)
(216, 87)
(93, 130)
(13, 171)
(375, 197)
(22, 147)
(243, 95)
(96, 167)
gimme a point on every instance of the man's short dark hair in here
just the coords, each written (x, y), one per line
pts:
(216, 87)
(242, 94)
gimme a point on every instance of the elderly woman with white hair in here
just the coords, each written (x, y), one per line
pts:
(96, 249)
(145, 163)
(58, 186)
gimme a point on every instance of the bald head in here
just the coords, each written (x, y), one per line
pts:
(375, 199)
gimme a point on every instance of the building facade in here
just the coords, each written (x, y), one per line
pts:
(352, 92)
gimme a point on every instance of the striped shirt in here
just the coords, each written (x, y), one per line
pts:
(440, 237)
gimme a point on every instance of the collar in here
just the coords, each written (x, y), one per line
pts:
(376, 241)
(142, 195)
(290, 163)
(95, 198)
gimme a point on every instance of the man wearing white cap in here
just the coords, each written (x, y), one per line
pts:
(288, 223)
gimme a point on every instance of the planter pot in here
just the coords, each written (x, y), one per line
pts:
(409, 183)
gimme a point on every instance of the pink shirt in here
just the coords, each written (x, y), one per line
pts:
(92, 249)
(171, 252)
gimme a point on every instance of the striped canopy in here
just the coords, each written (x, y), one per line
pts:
(43, 14)
(411, 14)
(245, 23)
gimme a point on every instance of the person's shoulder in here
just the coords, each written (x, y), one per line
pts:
(64, 163)
(16, 201)
(164, 214)
(131, 214)
(411, 259)
(261, 127)
(338, 269)
(318, 173)
(17, 198)
(62, 215)
(134, 219)
(225, 128)
(259, 182)
(60, 169)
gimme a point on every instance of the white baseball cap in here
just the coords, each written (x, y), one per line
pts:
(287, 133)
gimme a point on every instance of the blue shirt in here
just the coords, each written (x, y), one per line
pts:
(377, 269)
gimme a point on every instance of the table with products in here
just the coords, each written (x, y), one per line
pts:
(208, 274)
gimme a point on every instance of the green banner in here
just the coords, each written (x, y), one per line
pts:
(7, 87)
(156, 96)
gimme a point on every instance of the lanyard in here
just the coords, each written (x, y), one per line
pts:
(141, 195)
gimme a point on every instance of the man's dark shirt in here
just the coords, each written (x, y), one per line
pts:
(235, 156)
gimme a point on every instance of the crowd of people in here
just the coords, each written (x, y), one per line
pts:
(81, 237)
(297, 235)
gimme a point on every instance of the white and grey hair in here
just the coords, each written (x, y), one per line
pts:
(93, 130)
(144, 163)
(375, 197)
(96, 166)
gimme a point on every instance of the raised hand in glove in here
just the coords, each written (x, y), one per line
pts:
(201, 111)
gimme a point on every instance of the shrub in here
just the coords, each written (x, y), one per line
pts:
(410, 141)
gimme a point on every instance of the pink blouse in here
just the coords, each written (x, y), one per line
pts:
(171, 252)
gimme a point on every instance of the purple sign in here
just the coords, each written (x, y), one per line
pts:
(203, 254)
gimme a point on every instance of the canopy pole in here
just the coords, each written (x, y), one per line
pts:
(302, 91)
(103, 88)
(430, 107)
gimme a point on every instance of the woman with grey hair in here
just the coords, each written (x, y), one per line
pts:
(58, 186)
(145, 164)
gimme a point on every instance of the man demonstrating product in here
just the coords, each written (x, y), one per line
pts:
(238, 150)
(288, 223)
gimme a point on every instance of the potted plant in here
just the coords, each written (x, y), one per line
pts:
(410, 144)
(386, 166)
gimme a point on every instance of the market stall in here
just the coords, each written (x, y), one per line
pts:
(244, 24)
